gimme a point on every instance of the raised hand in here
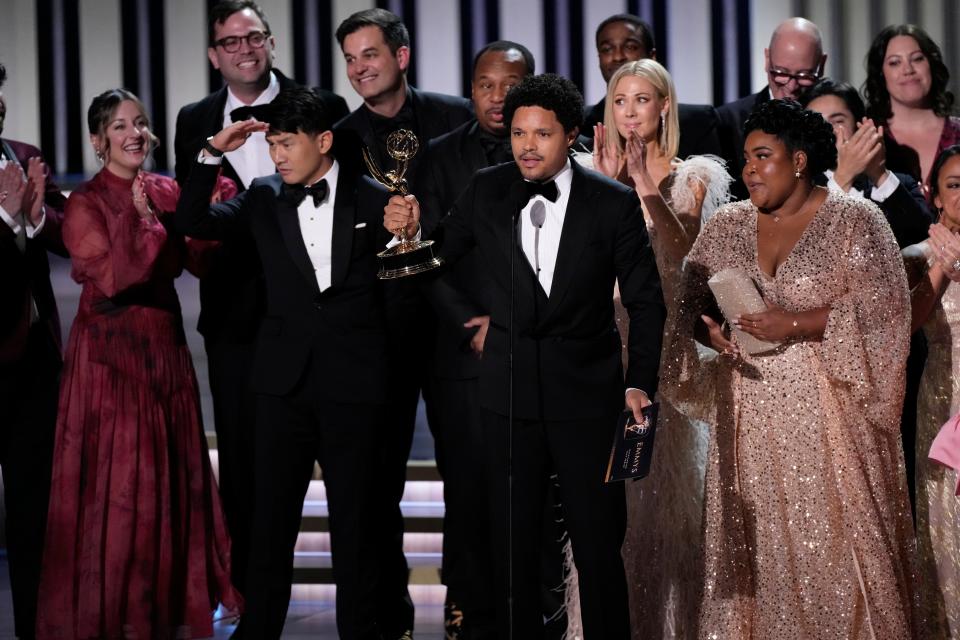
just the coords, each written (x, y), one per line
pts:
(232, 137)
(140, 200)
(605, 160)
(636, 152)
(13, 185)
(35, 190)
(855, 153)
(876, 170)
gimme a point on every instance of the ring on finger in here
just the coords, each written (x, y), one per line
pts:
(956, 264)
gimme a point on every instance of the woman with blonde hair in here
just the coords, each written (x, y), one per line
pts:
(637, 145)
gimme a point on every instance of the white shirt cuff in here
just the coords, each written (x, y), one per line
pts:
(395, 240)
(6, 217)
(884, 191)
(32, 231)
(834, 186)
(207, 158)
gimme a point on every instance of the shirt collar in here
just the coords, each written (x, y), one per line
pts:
(265, 97)
(563, 179)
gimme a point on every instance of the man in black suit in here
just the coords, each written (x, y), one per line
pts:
(451, 161)
(376, 48)
(31, 208)
(794, 61)
(231, 291)
(625, 38)
(578, 233)
(318, 367)
(861, 162)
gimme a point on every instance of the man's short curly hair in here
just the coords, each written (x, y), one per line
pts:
(547, 91)
(798, 129)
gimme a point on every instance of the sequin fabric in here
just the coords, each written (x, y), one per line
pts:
(665, 579)
(938, 508)
(806, 519)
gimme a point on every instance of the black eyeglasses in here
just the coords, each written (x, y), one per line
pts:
(231, 44)
(804, 78)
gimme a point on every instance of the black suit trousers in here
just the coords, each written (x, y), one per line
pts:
(594, 512)
(229, 365)
(29, 390)
(292, 433)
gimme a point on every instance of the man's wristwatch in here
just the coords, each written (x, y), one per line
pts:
(212, 150)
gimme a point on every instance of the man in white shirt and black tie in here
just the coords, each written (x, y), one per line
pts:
(319, 362)
(569, 385)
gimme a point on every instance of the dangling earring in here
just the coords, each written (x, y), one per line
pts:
(797, 174)
(663, 124)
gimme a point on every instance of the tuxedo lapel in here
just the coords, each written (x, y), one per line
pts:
(344, 213)
(293, 237)
(576, 223)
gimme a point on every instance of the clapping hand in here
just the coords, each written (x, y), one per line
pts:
(34, 191)
(637, 167)
(605, 160)
(140, 200)
(945, 246)
(13, 186)
(858, 153)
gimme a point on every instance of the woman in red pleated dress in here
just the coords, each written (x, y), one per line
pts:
(136, 543)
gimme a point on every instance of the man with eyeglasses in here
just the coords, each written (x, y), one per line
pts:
(232, 296)
(794, 61)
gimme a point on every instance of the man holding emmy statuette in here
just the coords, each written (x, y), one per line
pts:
(319, 366)
(377, 54)
(554, 238)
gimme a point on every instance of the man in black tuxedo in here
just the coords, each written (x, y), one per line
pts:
(31, 208)
(376, 48)
(318, 366)
(794, 61)
(625, 38)
(451, 161)
(861, 162)
(231, 291)
(578, 233)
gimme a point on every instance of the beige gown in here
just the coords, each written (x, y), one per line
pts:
(807, 524)
(938, 508)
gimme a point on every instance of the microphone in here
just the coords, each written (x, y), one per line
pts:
(538, 215)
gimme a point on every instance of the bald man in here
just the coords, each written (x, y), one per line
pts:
(794, 61)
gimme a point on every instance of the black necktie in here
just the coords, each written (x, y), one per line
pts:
(546, 189)
(295, 193)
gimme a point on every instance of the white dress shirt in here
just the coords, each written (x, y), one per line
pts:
(545, 251)
(252, 160)
(316, 227)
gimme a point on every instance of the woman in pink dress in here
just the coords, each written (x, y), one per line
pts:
(136, 545)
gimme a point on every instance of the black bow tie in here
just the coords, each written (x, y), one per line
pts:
(546, 189)
(261, 112)
(295, 193)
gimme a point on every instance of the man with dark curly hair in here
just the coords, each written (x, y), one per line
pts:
(576, 234)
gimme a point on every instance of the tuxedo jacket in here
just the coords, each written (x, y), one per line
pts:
(699, 131)
(231, 293)
(339, 332)
(26, 274)
(451, 161)
(434, 115)
(567, 351)
(731, 118)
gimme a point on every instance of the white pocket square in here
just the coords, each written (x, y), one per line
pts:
(360, 226)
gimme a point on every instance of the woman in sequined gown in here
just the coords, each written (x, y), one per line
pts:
(136, 543)
(936, 308)
(637, 145)
(807, 524)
